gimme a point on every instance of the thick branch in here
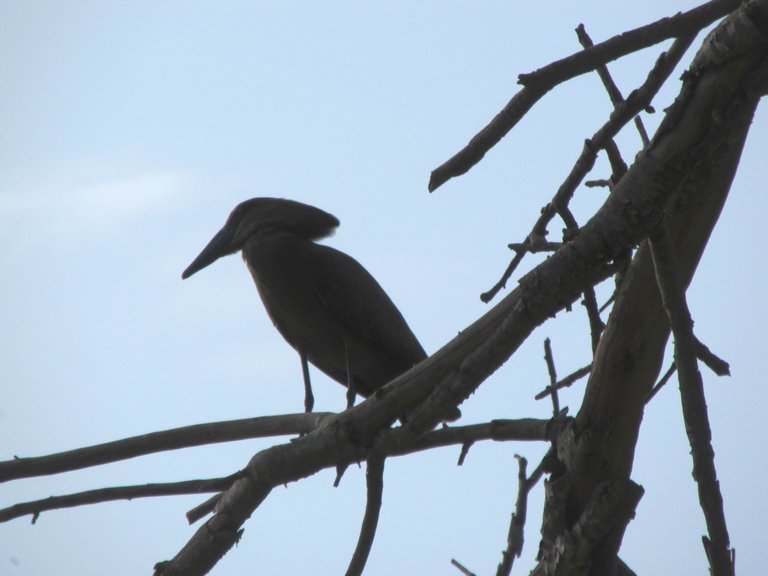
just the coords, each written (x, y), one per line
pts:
(610, 508)
(700, 143)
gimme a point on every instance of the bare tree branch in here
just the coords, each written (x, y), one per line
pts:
(538, 83)
(527, 429)
(461, 568)
(549, 359)
(375, 485)
(610, 86)
(515, 537)
(694, 404)
(565, 382)
(596, 324)
(713, 362)
(636, 101)
(661, 383)
(185, 437)
(36, 507)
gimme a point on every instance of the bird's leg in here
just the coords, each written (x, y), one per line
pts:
(350, 379)
(309, 399)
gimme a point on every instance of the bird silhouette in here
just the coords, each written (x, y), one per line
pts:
(323, 302)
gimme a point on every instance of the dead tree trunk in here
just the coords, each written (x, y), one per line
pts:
(693, 156)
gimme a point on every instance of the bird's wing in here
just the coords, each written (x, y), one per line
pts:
(361, 306)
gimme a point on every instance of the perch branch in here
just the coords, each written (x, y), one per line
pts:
(636, 101)
(401, 441)
(461, 568)
(527, 429)
(661, 383)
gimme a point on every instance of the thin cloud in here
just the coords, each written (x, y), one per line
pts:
(72, 210)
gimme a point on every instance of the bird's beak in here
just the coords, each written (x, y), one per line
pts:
(220, 245)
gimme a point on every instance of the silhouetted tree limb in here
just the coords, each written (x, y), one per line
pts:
(610, 86)
(375, 485)
(694, 154)
(637, 100)
(515, 537)
(185, 437)
(400, 441)
(526, 429)
(695, 414)
(565, 382)
(538, 83)
(37, 507)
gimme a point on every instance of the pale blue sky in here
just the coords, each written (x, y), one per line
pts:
(131, 129)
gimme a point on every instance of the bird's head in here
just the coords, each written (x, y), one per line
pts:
(259, 215)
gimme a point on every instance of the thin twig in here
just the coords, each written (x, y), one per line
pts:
(565, 382)
(464, 451)
(660, 384)
(717, 365)
(599, 183)
(596, 324)
(391, 443)
(204, 508)
(515, 537)
(618, 166)
(538, 83)
(719, 553)
(519, 255)
(610, 86)
(539, 247)
(549, 359)
(35, 507)
(461, 568)
(636, 101)
(375, 483)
